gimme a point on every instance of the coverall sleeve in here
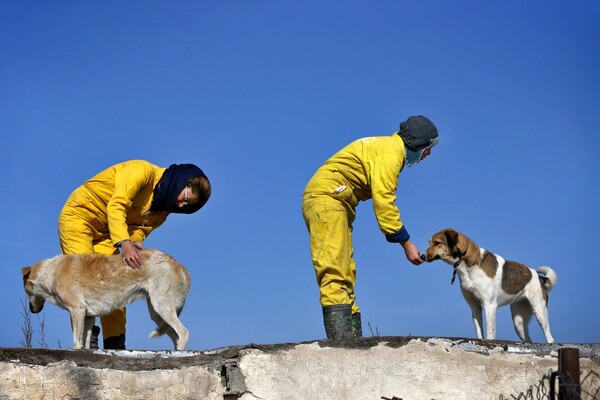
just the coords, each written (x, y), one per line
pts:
(128, 183)
(385, 170)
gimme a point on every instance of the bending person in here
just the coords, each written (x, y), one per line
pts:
(368, 168)
(117, 209)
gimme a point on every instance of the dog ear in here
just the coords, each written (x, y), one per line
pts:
(451, 237)
(456, 243)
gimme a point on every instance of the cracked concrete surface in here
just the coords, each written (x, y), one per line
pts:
(362, 369)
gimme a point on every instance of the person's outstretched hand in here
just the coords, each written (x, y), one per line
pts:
(412, 252)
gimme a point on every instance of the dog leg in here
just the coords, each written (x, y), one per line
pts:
(477, 320)
(77, 322)
(540, 310)
(88, 324)
(161, 326)
(490, 321)
(182, 334)
(521, 315)
(475, 312)
(166, 314)
(180, 330)
(174, 336)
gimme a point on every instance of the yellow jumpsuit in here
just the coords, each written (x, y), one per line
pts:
(367, 168)
(111, 207)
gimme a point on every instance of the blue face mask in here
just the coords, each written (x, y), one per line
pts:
(414, 156)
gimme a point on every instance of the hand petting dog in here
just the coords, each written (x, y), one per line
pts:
(132, 253)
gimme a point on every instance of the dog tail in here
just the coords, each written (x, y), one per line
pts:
(155, 333)
(159, 331)
(548, 277)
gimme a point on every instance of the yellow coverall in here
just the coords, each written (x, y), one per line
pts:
(367, 168)
(111, 207)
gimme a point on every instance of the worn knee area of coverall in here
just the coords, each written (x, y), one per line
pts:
(331, 249)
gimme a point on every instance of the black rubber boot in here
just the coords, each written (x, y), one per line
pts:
(115, 343)
(338, 321)
(94, 338)
(356, 325)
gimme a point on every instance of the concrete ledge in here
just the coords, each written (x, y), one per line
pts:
(368, 368)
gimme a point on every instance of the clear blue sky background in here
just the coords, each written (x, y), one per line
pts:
(259, 94)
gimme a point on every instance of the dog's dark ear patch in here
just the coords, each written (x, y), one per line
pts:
(453, 238)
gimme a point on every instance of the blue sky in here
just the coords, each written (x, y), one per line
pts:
(259, 95)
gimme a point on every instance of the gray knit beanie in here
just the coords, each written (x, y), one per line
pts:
(418, 132)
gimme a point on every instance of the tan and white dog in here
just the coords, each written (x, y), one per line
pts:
(89, 285)
(489, 281)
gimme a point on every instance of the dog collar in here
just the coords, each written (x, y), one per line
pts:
(456, 264)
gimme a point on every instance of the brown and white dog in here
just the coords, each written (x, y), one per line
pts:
(489, 281)
(89, 285)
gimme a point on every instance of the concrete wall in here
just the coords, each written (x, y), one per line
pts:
(369, 368)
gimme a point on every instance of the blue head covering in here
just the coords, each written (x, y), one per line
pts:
(170, 185)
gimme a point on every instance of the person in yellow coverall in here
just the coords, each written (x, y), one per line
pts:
(368, 168)
(117, 210)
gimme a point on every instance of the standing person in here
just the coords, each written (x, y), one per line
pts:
(365, 169)
(117, 210)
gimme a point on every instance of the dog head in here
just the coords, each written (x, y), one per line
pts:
(36, 303)
(447, 245)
